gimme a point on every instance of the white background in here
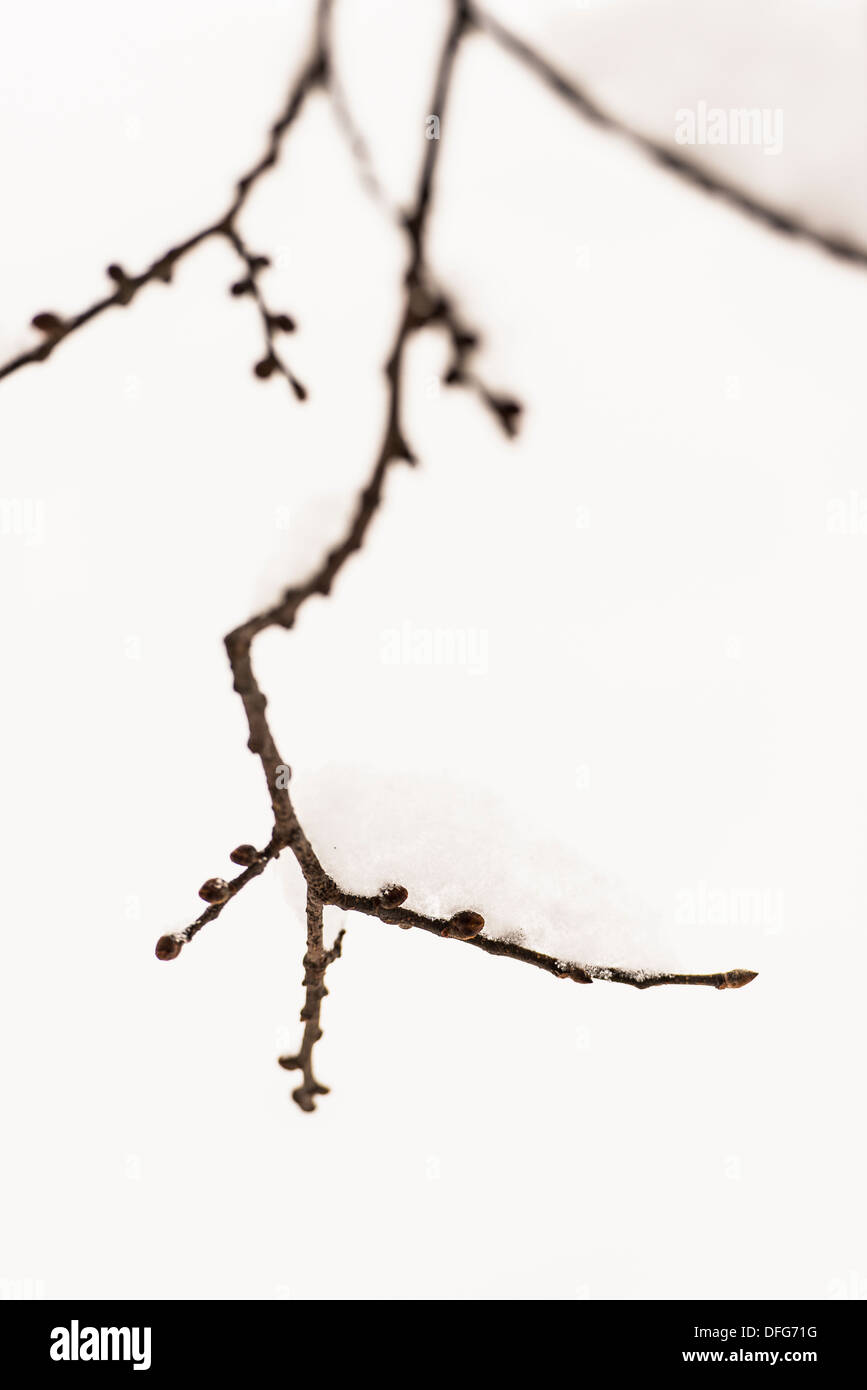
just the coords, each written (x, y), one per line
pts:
(668, 724)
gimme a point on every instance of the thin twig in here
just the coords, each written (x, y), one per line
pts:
(169, 946)
(316, 961)
(272, 322)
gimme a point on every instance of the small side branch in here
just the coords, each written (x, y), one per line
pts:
(316, 961)
(218, 892)
(272, 323)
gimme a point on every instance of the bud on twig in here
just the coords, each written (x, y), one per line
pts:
(125, 286)
(567, 971)
(214, 890)
(736, 979)
(464, 925)
(168, 948)
(245, 854)
(49, 324)
(265, 368)
(393, 894)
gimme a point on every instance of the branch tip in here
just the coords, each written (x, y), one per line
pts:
(736, 979)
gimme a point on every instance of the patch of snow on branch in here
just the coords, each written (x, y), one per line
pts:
(456, 846)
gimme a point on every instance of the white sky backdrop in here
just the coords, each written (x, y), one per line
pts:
(672, 705)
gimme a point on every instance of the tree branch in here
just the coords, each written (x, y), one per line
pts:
(423, 305)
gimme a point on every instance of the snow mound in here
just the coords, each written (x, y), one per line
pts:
(455, 846)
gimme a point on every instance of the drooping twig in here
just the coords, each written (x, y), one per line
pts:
(424, 305)
(316, 961)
